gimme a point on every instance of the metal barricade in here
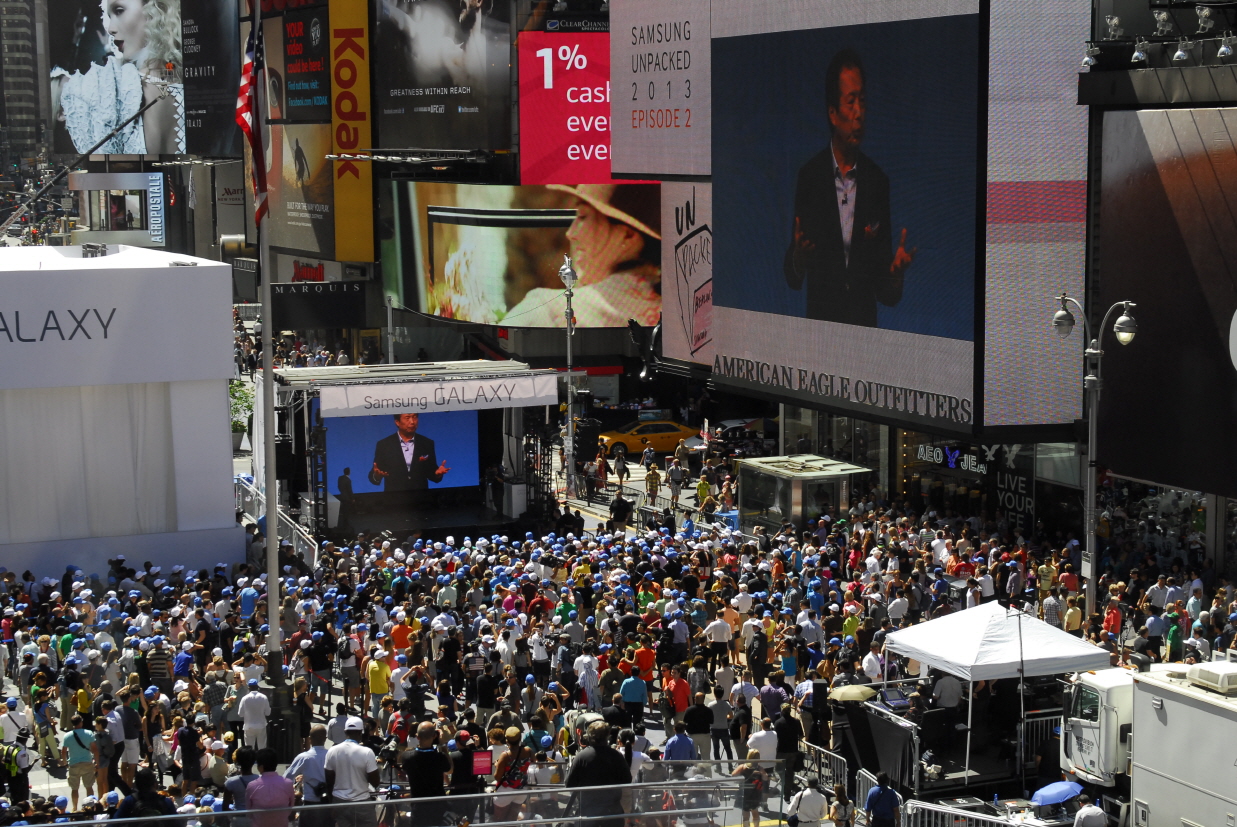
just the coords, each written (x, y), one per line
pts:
(864, 782)
(923, 814)
(1036, 730)
(829, 767)
(251, 501)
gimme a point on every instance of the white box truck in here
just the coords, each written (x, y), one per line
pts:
(1162, 741)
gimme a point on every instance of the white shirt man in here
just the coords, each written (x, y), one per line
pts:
(744, 599)
(810, 805)
(254, 710)
(351, 769)
(872, 665)
(1089, 815)
(718, 631)
(764, 742)
(745, 688)
(12, 721)
(897, 609)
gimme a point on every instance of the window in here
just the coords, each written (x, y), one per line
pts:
(1086, 704)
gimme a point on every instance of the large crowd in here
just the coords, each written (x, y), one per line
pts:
(581, 660)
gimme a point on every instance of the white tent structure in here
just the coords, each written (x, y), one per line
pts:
(990, 642)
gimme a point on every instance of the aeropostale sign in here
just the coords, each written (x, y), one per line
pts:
(435, 395)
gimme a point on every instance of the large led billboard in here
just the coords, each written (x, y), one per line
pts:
(99, 54)
(491, 254)
(1167, 241)
(1036, 210)
(444, 78)
(845, 205)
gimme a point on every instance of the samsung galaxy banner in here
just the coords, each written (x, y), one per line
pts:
(453, 395)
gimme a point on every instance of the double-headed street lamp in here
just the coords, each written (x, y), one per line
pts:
(569, 277)
(1124, 329)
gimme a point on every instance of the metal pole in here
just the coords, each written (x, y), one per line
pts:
(1090, 556)
(571, 405)
(270, 481)
(970, 706)
(390, 331)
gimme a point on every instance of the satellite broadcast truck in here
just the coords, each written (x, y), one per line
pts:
(1157, 747)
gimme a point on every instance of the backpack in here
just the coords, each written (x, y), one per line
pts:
(145, 808)
(343, 649)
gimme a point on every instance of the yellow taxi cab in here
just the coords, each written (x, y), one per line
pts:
(634, 437)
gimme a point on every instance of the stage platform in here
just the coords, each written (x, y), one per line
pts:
(436, 522)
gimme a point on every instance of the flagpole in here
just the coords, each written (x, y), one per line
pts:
(274, 613)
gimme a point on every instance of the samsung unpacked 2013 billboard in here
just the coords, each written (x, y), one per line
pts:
(443, 80)
(1168, 242)
(844, 201)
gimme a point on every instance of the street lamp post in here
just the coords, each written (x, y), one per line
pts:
(569, 277)
(1124, 329)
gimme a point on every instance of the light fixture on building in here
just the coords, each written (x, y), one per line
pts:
(1114, 27)
(1163, 23)
(1205, 21)
(1140, 51)
(1092, 53)
(1226, 46)
(1184, 47)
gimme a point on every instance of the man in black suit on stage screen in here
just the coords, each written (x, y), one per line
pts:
(841, 239)
(405, 460)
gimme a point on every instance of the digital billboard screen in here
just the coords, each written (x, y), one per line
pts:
(1167, 242)
(99, 53)
(1036, 211)
(402, 452)
(444, 77)
(564, 108)
(491, 254)
(845, 203)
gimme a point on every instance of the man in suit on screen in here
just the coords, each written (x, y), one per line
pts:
(405, 460)
(841, 240)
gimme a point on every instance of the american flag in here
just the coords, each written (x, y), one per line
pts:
(252, 72)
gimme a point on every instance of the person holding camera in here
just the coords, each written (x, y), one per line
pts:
(428, 770)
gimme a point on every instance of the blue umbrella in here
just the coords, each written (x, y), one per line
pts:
(1057, 792)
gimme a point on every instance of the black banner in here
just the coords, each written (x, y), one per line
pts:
(311, 306)
(442, 77)
(212, 54)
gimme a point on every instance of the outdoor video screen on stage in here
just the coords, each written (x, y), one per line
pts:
(844, 198)
(404, 452)
(491, 254)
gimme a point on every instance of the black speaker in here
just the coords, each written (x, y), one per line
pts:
(821, 713)
(285, 460)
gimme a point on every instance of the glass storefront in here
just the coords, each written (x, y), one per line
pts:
(844, 438)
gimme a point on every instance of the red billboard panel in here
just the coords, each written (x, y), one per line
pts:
(564, 108)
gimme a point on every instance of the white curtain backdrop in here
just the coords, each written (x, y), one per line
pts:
(86, 462)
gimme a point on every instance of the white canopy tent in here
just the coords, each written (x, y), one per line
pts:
(990, 642)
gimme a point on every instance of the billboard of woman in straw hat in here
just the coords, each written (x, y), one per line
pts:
(615, 247)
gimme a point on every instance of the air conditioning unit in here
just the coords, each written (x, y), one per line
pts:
(1218, 676)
